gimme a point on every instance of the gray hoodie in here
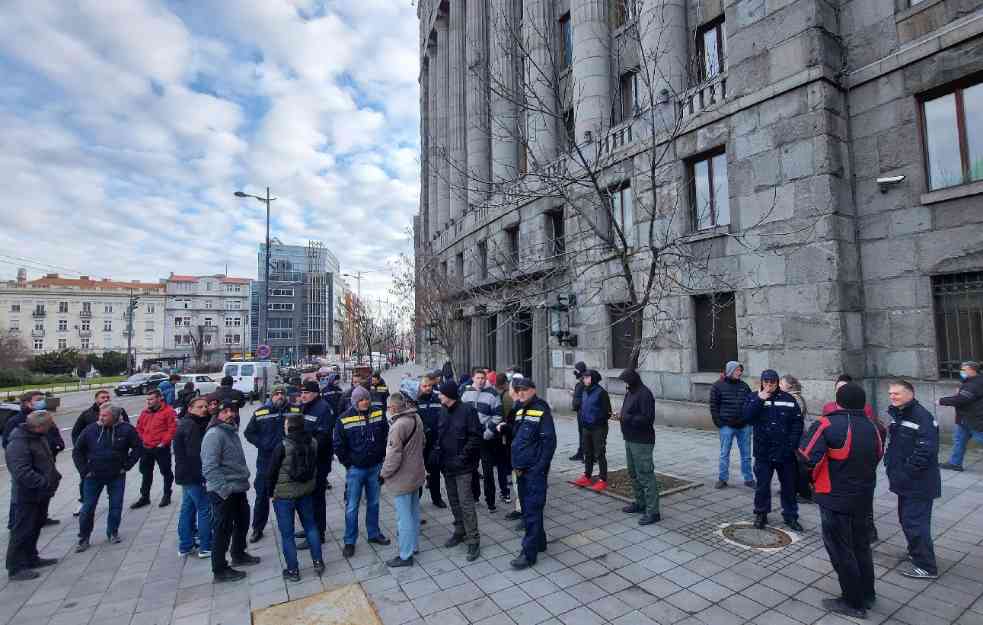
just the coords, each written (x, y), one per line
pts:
(223, 462)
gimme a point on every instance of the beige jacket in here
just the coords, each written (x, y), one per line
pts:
(403, 469)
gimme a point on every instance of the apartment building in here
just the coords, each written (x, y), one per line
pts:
(206, 319)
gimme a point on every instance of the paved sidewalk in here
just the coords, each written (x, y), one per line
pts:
(601, 567)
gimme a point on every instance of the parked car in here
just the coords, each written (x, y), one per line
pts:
(140, 383)
(204, 384)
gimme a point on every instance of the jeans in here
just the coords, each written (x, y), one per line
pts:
(788, 475)
(960, 437)
(847, 541)
(727, 436)
(161, 456)
(194, 505)
(91, 489)
(407, 522)
(22, 550)
(284, 509)
(915, 516)
(230, 523)
(356, 479)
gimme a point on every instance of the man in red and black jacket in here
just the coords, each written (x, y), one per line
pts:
(842, 449)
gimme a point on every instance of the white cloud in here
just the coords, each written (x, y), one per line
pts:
(125, 125)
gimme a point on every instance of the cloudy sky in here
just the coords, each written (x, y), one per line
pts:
(126, 125)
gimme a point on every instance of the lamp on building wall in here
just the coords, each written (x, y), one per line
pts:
(560, 319)
(431, 329)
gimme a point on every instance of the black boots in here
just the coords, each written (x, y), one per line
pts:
(760, 521)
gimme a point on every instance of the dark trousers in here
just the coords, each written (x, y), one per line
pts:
(580, 437)
(915, 515)
(318, 498)
(12, 512)
(594, 443)
(261, 506)
(433, 473)
(230, 522)
(462, 507)
(847, 540)
(161, 456)
(492, 463)
(532, 494)
(788, 473)
(92, 489)
(22, 550)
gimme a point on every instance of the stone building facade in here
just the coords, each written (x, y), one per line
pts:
(210, 313)
(838, 144)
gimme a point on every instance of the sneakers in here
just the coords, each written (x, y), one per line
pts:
(453, 541)
(512, 516)
(23, 575)
(142, 502)
(750, 483)
(245, 559)
(919, 573)
(520, 563)
(760, 521)
(576, 457)
(633, 509)
(473, 552)
(439, 504)
(165, 501)
(256, 536)
(82, 545)
(839, 606)
(649, 519)
(184, 554)
(951, 467)
(114, 539)
(380, 540)
(291, 575)
(319, 567)
(398, 562)
(506, 497)
(49, 522)
(492, 508)
(78, 511)
(794, 525)
(599, 486)
(720, 484)
(204, 554)
(583, 480)
(348, 551)
(228, 575)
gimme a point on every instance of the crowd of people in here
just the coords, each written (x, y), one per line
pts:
(487, 431)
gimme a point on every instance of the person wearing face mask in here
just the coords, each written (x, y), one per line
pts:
(32, 401)
(89, 416)
(103, 453)
(156, 425)
(968, 402)
(265, 432)
(196, 510)
(778, 424)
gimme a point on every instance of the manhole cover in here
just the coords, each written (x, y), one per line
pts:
(746, 535)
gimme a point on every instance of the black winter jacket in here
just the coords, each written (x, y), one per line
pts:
(187, 450)
(912, 458)
(968, 403)
(459, 436)
(727, 399)
(638, 412)
(842, 450)
(777, 424)
(107, 452)
(89, 416)
(31, 463)
(55, 441)
(360, 438)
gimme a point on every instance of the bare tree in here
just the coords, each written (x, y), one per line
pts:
(13, 352)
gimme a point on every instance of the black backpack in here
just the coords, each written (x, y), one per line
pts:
(303, 465)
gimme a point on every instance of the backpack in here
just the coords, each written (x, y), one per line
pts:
(303, 462)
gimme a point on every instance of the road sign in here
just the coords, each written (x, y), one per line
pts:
(263, 352)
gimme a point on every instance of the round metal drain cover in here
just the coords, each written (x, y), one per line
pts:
(747, 535)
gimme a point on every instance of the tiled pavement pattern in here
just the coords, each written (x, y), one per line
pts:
(601, 567)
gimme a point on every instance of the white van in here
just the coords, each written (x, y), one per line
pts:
(254, 378)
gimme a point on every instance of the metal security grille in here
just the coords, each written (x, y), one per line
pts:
(958, 320)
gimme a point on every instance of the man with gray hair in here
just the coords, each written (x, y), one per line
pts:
(34, 479)
(968, 402)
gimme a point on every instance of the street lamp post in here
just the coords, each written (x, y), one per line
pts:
(262, 331)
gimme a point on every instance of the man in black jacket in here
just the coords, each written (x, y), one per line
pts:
(34, 479)
(103, 453)
(32, 401)
(638, 430)
(89, 416)
(456, 451)
(912, 465)
(578, 394)
(196, 508)
(842, 450)
(968, 403)
(727, 396)
(227, 392)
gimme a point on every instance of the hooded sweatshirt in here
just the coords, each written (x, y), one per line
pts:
(637, 411)
(595, 403)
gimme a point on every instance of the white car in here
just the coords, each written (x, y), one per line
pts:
(204, 384)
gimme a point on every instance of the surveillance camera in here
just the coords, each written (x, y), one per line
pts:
(888, 181)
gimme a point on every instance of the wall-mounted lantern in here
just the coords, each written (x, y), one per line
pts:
(560, 319)
(431, 330)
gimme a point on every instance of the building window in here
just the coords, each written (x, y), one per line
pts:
(177, 339)
(85, 344)
(108, 308)
(208, 303)
(86, 326)
(623, 214)
(107, 325)
(207, 339)
(208, 322)
(954, 137)
(233, 305)
(482, 259)
(710, 191)
(150, 309)
(566, 42)
(63, 307)
(62, 343)
(716, 330)
(555, 230)
(39, 326)
(958, 320)
(569, 130)
(512, 247)
(628, 95)
(63, 325)
(623, 12)
(232, 288)
(15, 324)
(38, 344)
(282, 306)
(87, 308)
(711, 44)
(281, 292)
(626, 333)
(281, 328)
(459, 265)
(39, 310)
(443, 271)
(15, 308)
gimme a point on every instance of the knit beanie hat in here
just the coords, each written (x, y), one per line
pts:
(851, 397)
(358, 394)
(731, 367)
(449, 390)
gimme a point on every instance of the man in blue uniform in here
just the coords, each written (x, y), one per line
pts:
(331, 392)
(532, 451)
(319, 421)
(912, 463)
(428, 407)
(360, 438)
(265, 432)
(778, 425)
(379, 391)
